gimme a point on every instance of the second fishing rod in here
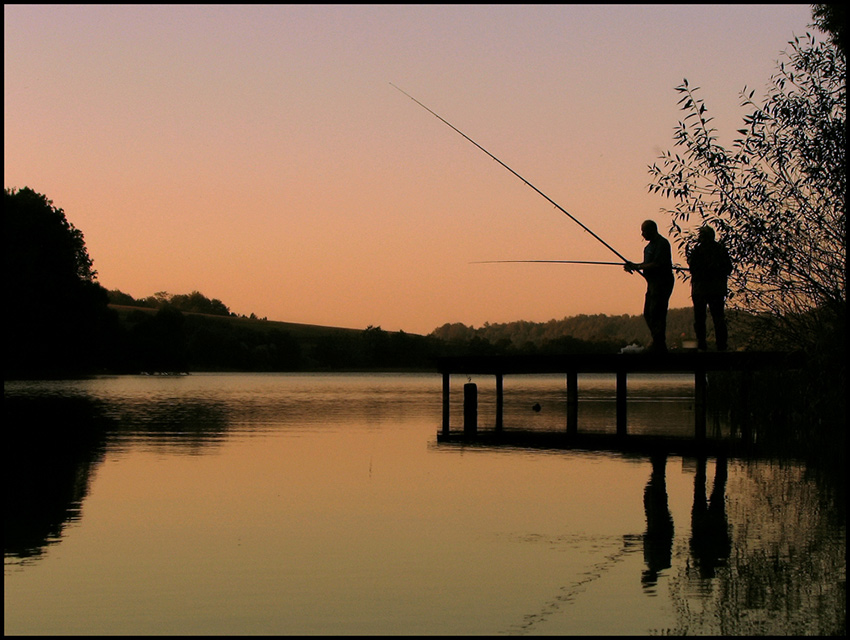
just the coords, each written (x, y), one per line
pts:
(675, 267)
(555, 204)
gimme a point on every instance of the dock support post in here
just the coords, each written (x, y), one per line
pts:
(621, 404)
(500, 397)
(572, 403)
(470, 409)
(700, 404)
(446, 388)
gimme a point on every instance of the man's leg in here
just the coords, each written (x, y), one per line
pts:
(699, 320)
(655, 314)
(715, 305)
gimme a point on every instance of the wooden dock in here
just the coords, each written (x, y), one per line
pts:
(699, 364)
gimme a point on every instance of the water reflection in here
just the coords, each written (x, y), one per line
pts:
(53, 447)
(711, 541)
(658, 539)
(781, 570)
(56, 441)
(189, 425)
(325, 508)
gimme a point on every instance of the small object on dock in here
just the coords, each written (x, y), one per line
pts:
(632, 348)
(536, 406)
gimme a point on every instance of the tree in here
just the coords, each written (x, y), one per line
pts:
(57, 319)
(196, 302)
(831, 19)
(116, 296)
(777, 198)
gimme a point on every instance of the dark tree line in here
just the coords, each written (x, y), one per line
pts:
(57, 319)
(168, 340)
(194, 302)
(597, 333)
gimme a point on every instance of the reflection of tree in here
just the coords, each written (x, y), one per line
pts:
(173, 423)
(52, 448)
(658, 539)
(53, 445)
(785, 556)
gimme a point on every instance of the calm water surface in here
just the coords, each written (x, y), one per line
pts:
(322, 504)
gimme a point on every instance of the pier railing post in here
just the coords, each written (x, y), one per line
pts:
(470, 409)
(572, 403)
(621, 403)
(700, 404)
(500, 398)
(446, 387)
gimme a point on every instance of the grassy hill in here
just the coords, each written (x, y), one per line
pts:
(167, 339)
(297, 330)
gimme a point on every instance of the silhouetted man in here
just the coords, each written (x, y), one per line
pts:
(657, 270)
(710, 267)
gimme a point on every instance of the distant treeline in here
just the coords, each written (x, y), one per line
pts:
(597, 333)
(168, 340)
(176, 333)
(194, 302)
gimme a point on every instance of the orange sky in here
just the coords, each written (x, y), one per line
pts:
(259, 155)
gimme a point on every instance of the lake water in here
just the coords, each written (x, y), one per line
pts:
(322, 504)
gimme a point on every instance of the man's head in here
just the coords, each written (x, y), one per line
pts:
(706, 234)
(649, 229)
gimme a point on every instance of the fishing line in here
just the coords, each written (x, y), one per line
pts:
(617, 264)
(555, 204)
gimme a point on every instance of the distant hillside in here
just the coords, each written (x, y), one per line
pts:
(297, 330)
(169, 340)
(611, 332)
(166, 332)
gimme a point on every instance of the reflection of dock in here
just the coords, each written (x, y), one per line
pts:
(622, 365)
(642, 445)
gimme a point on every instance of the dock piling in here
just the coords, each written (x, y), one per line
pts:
(446, 412)
(572, 403)
(500, 400)
(700, 404)
(470, 409)
(622, 395)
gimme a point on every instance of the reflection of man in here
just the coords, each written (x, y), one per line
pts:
(711, 542)
(657, 270)
(710, 266)
(658, 539)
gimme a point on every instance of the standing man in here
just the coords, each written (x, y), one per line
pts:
(710, 267)
(657, 270)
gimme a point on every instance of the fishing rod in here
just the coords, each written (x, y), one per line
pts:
(619, 264)
(555, 204)
(616, 264)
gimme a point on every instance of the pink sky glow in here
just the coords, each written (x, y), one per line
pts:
(259, 154)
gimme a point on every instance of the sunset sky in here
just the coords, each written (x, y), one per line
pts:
(259, 154)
